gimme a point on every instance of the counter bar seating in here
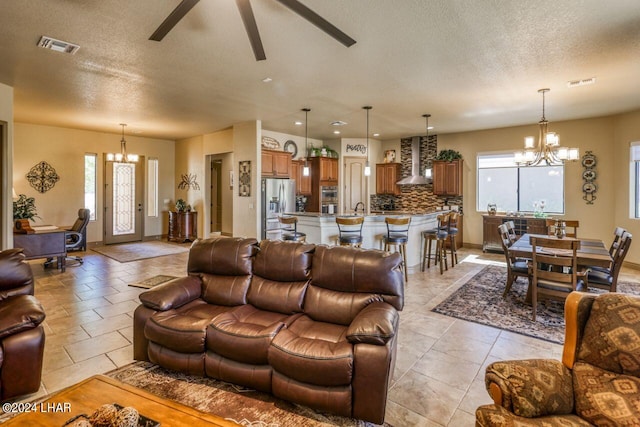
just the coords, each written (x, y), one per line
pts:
(439, 234)
(398, 237)
(350, 230)
(291, 234)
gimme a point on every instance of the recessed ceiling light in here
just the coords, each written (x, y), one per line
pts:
(46, 42)
(376, 134)
(267, 80)
(583, 82)
(337, 132)
(298, 123)
(430, 128)
(338, 123)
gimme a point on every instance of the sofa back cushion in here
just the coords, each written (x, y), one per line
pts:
(281, 273)
(16, 277)
(611, 338)
(345, 280)
(224, 265)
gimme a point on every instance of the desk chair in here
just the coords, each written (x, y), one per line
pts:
(350, 230)
(75, 237)
(291, 234)
(398, 237)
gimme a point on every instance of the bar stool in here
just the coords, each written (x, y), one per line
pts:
(440, 235)
(291, 234)
(350, 230)
(398, 237)
(452, 230)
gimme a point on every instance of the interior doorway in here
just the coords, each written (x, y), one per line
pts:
(216, 196)
(219, 199)
(123, 196)
(355, 183)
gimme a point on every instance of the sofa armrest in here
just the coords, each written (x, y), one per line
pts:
(531, 388)
(376, 324)
(18, 314)
(172, 294)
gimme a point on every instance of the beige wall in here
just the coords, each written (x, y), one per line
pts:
(64, 150)
(6, 166)
(247, 139)
(189, 160)
(607, 137)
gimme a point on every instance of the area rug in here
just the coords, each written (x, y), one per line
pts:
(152, 281)
(480, 301)
(128, 252)
(244, 406)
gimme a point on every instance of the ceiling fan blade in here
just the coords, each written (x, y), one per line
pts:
(318, 21)
(173, 18)
(244, 6)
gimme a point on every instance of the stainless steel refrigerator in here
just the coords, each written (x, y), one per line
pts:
(278, 197)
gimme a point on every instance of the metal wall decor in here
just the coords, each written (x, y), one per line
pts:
(589, 187)
(189, 182)
(244, 180)
(42, 177)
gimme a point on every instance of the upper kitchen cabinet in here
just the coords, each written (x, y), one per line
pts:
(447, 177)
(303, 183)
(325, 169)
(276, 164)
(387, 174)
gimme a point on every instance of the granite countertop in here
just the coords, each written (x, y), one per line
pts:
(372, 214)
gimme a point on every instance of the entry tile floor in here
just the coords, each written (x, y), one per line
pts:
(439, 373)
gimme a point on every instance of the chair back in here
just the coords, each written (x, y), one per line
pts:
(571, 227)
(511, 230)
(505, 241)
(350, 226)
(617, 234)
(443, 221)
(76, 236)
(560, 253)
(397, 227)
(83, 219)
(618, 258)
(289, 220)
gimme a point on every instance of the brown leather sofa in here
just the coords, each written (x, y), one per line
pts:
(597, 382)
(21, 332)
(315, 325)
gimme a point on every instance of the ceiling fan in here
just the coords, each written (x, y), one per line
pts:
(246, 12)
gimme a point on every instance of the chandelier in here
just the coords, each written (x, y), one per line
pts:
(122, 156)
(547, 148)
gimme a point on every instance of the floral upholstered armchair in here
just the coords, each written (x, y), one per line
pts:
(597, 382)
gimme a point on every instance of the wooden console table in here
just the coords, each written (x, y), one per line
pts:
(43, 244)
(183, 226)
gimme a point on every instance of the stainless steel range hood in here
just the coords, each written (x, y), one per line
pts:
(416, 177)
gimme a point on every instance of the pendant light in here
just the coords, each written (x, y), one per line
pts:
(122, 156)
(305, 169)
(367, 167)
(427, 171)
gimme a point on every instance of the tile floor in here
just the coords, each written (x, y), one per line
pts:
(439, 375)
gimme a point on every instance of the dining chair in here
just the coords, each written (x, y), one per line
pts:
(350, 230)
(571, 227)
(291, 234)
(608, 279)
(398, 237)
(511, 229)
(440, 235)
(516, 267)
(562, 278)
(617, 234)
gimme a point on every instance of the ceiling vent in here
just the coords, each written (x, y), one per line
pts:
(583, 82)
(57, 45)
(338, 123)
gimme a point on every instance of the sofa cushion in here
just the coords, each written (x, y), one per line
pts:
(225, 290)
(325, 305)
(281, 297)
(313, 352)
(19, 313)
(611, 338)
(346, 269)
(606, 398)
(183, 329)
(498, 416)
(244, 333)
(16, 277)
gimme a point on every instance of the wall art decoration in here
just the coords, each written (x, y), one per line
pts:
(589, 174)
(244, 180)
(189, 182)
(42, 177)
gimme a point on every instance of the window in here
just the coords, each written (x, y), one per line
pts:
(518, 188)
(152, 187)
(90, 184)
(635, 179)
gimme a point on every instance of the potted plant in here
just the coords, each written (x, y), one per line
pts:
(449, 155)
(181, 205)
(24, 210)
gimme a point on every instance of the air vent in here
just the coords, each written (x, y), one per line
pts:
(57, 45)
(583, 82)
(338, 123)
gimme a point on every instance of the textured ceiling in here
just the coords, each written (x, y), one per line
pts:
(471, 64)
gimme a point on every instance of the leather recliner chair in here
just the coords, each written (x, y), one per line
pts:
(21, 332)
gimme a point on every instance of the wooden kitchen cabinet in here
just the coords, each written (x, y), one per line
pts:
(303, 183)
(447, 178)
(324, 170)
(276, 164)
(522, 225)
(183, 226)
(387, 174)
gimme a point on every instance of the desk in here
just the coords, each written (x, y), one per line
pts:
(591, 252)
(43, 244)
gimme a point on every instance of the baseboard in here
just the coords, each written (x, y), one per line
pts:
(631, 265)
(468, 245)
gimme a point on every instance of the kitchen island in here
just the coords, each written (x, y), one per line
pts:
(321, 228)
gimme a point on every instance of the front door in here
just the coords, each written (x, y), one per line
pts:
(355, 187)
(123, 195)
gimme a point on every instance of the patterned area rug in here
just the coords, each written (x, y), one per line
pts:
(244, 406)
(128, 252)
(480, 300)
(152, 281)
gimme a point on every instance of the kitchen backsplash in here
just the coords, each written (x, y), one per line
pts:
(415, 198)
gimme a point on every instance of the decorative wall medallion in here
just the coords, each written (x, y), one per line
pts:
(244, 180)
(589, 174)
(42, 177)
(189, 182)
